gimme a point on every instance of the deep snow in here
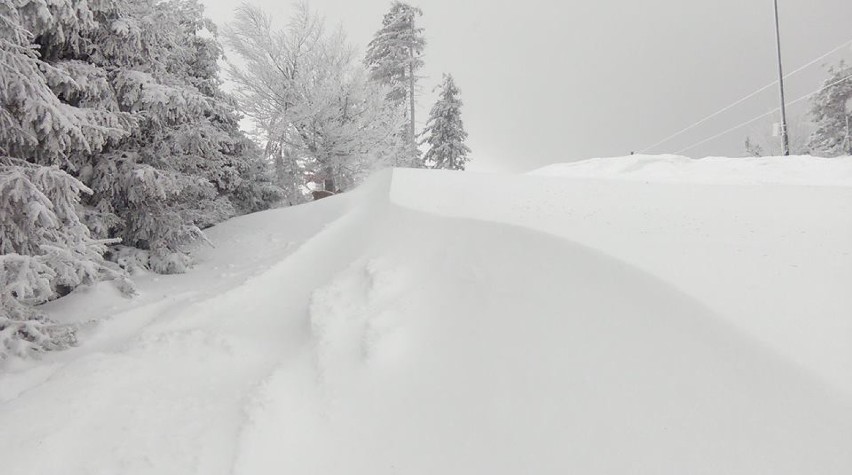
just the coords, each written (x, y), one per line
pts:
(631, 315)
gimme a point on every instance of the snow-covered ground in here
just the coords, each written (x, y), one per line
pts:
(795, 170)
(630, 315)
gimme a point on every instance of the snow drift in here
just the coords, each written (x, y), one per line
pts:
(792, 170)
(459, 323)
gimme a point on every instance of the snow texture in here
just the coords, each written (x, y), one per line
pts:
(588, 321)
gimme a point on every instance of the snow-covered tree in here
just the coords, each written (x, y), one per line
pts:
(182, 163)
(831, 109)
(112, 127)
(321, 118)
(395, 54)
(45, 252)
(444, 131)
(36, 124)
(186, 165)
(45, 249)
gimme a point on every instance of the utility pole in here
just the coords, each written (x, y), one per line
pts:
(411, 92)
(785, 141)
(847, 142)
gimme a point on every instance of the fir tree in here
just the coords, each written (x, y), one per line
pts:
(45, 252)
(45, 249)
(831, 109)
(186, 165)
(396, 54)
(182, 163)
(112, 128)
(446, 134)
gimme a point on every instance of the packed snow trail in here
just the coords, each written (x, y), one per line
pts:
(458, 323)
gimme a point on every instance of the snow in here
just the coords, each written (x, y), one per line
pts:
(794, 170)
(629, 315)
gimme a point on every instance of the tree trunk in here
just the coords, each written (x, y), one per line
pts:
(328, 180)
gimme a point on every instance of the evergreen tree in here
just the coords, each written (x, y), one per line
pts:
(395, 55)
(112, 127)
(45, 249)
(831, 109)
(185, 164)
(45, 252)
(446, 134)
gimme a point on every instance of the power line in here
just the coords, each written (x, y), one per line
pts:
(800, 99)
(749, 96)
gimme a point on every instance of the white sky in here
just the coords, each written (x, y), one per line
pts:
(547, 81)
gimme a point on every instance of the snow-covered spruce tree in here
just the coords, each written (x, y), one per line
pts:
(831, 109)
(184, 164)
(444, 131)
(321, 118)
(115, 102)
(45, 252)
(45, 249)
(394, 56)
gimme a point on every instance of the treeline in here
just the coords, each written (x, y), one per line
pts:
(331, 117)
(118, 144)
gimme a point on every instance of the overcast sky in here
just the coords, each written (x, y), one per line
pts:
(547, 81)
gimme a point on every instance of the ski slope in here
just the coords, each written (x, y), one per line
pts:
(630, 315)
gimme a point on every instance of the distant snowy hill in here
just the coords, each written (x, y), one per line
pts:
(633, 315)
(795, 170)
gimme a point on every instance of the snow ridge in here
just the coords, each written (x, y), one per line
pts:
(792, 170)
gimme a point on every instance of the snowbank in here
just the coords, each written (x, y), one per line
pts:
(794, 170)
(460, 323)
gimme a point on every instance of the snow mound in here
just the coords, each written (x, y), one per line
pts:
(456, 323)
(794, 170)
(548, 359)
